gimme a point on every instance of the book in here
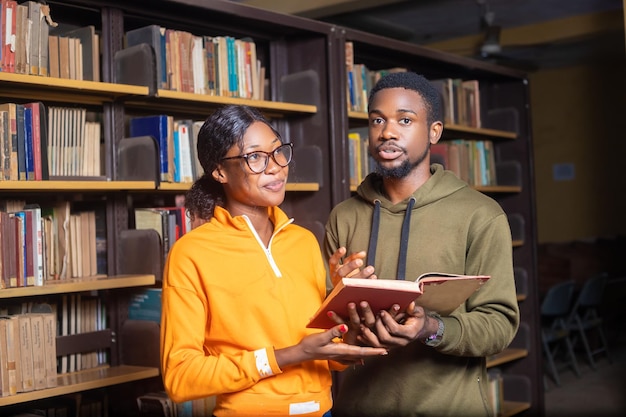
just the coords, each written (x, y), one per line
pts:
(435, 291)
(157, 127)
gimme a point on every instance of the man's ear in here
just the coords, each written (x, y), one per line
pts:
(435, 131)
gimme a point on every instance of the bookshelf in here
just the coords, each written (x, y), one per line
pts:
(302, 119)
(503, 91)
(312, 114)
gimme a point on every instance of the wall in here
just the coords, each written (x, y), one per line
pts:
(579, 118)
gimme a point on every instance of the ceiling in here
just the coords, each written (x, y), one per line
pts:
(533, 34)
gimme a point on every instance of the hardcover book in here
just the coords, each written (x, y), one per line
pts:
(435, 291)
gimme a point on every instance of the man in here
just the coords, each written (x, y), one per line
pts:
(422, 219)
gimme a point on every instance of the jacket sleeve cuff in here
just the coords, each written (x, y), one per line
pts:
(266, 363)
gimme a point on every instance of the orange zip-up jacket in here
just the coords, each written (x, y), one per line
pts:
(228, 302)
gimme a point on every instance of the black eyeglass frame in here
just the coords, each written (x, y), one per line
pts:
(267, 160)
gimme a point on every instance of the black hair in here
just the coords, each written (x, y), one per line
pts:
(222, 130)
(417, 83)
(199, 201)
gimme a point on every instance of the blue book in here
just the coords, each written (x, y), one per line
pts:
(155, 126)
(176, 156)
(28, 143)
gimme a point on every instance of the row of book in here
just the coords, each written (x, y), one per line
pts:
(176, 140)
(27, 352)
(460, 101)
(24, 37)
(33, 44)
(473, 161)
(460, 98)
(48, 243)
(36, 143)
(213, 65)
(80, 313)
(361, 79)
(170, 223)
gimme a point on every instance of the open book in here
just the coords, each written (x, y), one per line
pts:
(435, 291)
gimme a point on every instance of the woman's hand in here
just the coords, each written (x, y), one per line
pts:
(326, 346)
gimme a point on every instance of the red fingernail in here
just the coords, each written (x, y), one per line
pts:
(343, 328)
(330, 314)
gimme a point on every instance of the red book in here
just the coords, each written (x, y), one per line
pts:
(438, 292)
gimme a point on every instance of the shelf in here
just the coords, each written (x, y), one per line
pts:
(448, 128)
(101, 282)
(181, 186)
(167, 100)
(497, 188)
(83, 381)
(511, 408)
(78, 185)
(507, 355)
(518, 243)
(31, 87)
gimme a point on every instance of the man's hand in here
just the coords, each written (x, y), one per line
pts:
(351, 266)
(392, 329)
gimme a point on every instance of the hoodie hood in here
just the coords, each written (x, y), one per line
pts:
(441, 184)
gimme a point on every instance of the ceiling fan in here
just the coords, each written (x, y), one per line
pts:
(491, 48)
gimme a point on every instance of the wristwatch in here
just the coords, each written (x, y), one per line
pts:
(435, 338)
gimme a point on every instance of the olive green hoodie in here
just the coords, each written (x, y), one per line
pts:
(451, 228)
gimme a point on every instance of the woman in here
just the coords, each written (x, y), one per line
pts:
(239, 290)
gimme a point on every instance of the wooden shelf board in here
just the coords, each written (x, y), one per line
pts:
(100, 282)
(51, 88)
(498, 188)
(507, 355)
(291, 186)
(493, 133)
(357, 115)
(78, 185)
(518, 243)
(85, 380)
(167, 98)
(511, 408)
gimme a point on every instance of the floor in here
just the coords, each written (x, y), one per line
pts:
(600, 393)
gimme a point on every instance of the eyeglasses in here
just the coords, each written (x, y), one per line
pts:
(257, 161)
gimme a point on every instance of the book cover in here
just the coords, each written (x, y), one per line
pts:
(11, 109)
(28, 143)
(39, 364)
(50, 350)
(438, 292)
(26, 353)
(157, 127)
(86, 36)
(5, 146)
(5, 365)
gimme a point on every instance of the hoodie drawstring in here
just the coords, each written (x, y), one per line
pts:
(404, 240)
(371, 249)
(404, 237)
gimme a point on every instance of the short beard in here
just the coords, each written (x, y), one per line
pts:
(403, 170)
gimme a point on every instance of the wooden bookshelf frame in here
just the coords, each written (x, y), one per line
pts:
(96, 283)
(115, 186)
(85, 380)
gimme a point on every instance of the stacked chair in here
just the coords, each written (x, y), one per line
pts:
(556, 330)
(586, 321)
